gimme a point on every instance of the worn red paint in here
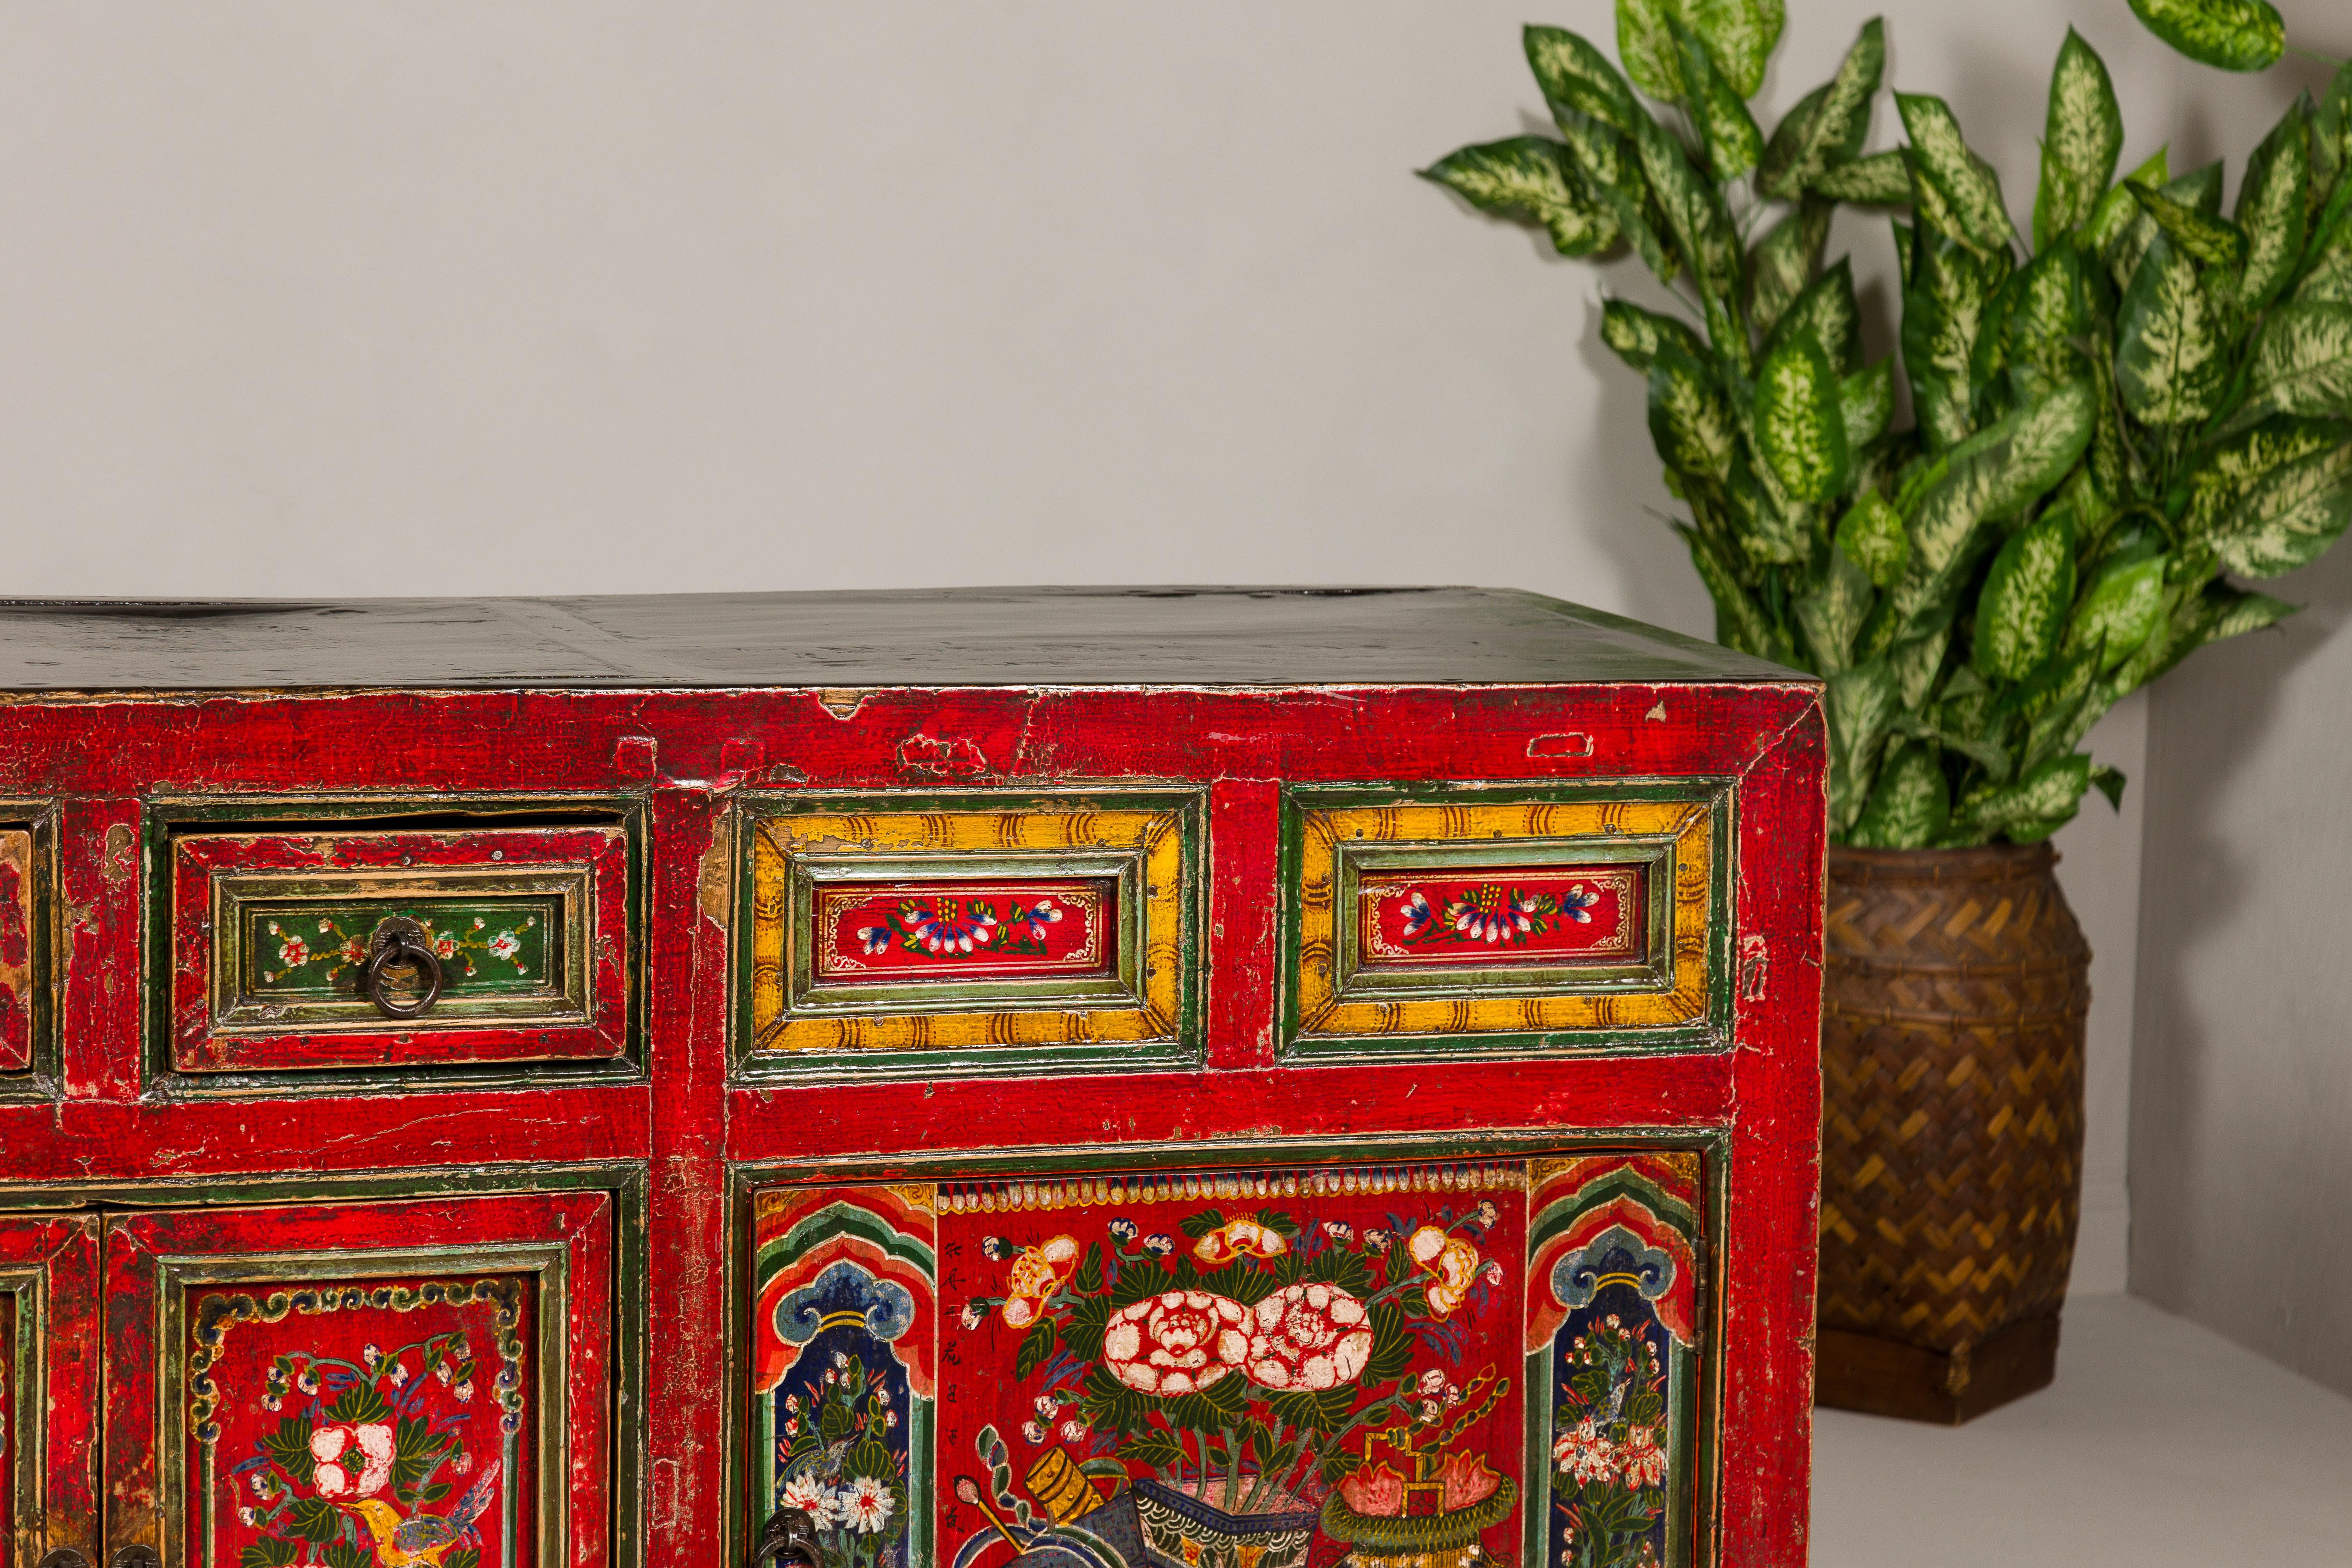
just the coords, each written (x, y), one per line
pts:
(672, 756)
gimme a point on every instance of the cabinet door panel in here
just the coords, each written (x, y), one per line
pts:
(403, 1384)
(48, 1386)
(1407, 1365)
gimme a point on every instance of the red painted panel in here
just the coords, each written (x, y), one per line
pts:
(213, 1032)
(964, 929)
(1500, 915)
(56, 1256)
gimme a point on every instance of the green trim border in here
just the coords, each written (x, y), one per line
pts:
(628, 1183)
(749, 1065)
(43, 1081)
(163, 816)
(26, 1406)
(1713, 1033)
(747, 1179)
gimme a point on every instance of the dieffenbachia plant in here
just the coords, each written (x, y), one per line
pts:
(2108, 424)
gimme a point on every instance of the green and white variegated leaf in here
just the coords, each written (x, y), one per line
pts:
(1866, 403)
(1577, 77)
(2081, 140)
(1726, 128)
(1826, 312)
(1691, 422)
(1637, 335)
(1695, 217)
(2022, 609)
(1970, 189)
(1862, 703)
(1773, 527)
(2031, 451)
(1740, 622)
(2228, 472)
(1871, 535)
(2234, 35)
(2192, 620)
(1740, 36)
(2116, 212)
(2169, 349)
(1832, 615)
(1529, 178)
(1943, 313)
(1645, 42)
(2290, 516)
(1910, 804)
(1830, 124)
(2331, 134)
(1800, 427)
(1612, 174)
(2120, 610)
(2329, 279)
(2199, 189)
(2214, 241)
(1917, 661)
(1785, 260)
(2273, 209)
(2067, 709)
(2042, 801)
(2302, 361)
(2046, 313)
(1882, 179)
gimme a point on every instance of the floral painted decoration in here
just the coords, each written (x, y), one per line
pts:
(1609, 1454)
(323, 955)
(1491, 913)
(841, 1459)
(950, 928)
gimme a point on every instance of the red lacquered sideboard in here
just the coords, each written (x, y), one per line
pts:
(1073, 1079)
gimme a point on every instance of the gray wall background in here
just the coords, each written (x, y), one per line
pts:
(311, 296)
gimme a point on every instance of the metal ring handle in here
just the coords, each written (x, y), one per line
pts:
(401, 942)
(788, 1540)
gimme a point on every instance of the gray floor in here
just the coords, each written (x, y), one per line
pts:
(2160, 1445)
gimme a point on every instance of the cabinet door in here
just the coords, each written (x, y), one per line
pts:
(1411, 1364)
(405, 1385)
(48, 1386)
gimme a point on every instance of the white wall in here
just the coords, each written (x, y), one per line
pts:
(311, 296)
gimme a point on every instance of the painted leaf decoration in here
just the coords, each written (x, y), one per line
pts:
(2290, 517)
(2302, 361)
(1882, 179)
(1733, 143)
(1638, 335)
(1826, 312)
(2022, 609)
(2051, 792)
(2214, 241)
(1871, 535)
(2168, 353)
(1690, 420)
(2081, 140)
(2273, 209)
(1829, 124)
(2234, 35)
(1968, 188)
(1785, 260)
(1576, 77)
(1800, 428)
(1530, 179)
(1910, 804)
(2120, 611)
(1866, 403)
(2116, 212)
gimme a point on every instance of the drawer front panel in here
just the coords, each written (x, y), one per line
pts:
(892, 930)
(1472, 919)
(1407, 1363)
(18, 983)
(273, 935)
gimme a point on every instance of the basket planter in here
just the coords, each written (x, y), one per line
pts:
(1180, 1531)
(1955, 994)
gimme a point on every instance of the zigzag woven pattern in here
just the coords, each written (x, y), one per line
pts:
(1952, 1025)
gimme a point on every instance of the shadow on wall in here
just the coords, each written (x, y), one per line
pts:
(2241, 1079)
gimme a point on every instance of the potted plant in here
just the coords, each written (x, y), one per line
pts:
(2116, 419)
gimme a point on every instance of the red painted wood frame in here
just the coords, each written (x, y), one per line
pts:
(89, 1122)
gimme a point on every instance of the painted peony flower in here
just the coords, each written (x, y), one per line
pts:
(1642, 1462)
(1452, 1262)
(867, 1505)
(1312, 1336)
(812, 1498)
(1180, 1342)
(1036, 1276)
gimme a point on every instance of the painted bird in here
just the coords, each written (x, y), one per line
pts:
(419, 1540)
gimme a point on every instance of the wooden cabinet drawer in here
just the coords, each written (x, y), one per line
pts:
(918, 933)
(1463, 1360)
(1463, 919)
(272, 932)
(19, 976)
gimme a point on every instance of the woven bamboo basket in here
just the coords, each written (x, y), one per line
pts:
(1952, 1025)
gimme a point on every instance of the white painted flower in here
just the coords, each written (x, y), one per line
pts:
(464, 1391)
(812, 1498)
(866, 1505)
(1033, 1431)
(506, 944)
(1432, 1381)
(1048, 1406)
(1074, 1431)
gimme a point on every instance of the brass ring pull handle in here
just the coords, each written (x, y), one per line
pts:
(65, 1557)
(789, 1537)
(400, 944)
(135, 1557)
